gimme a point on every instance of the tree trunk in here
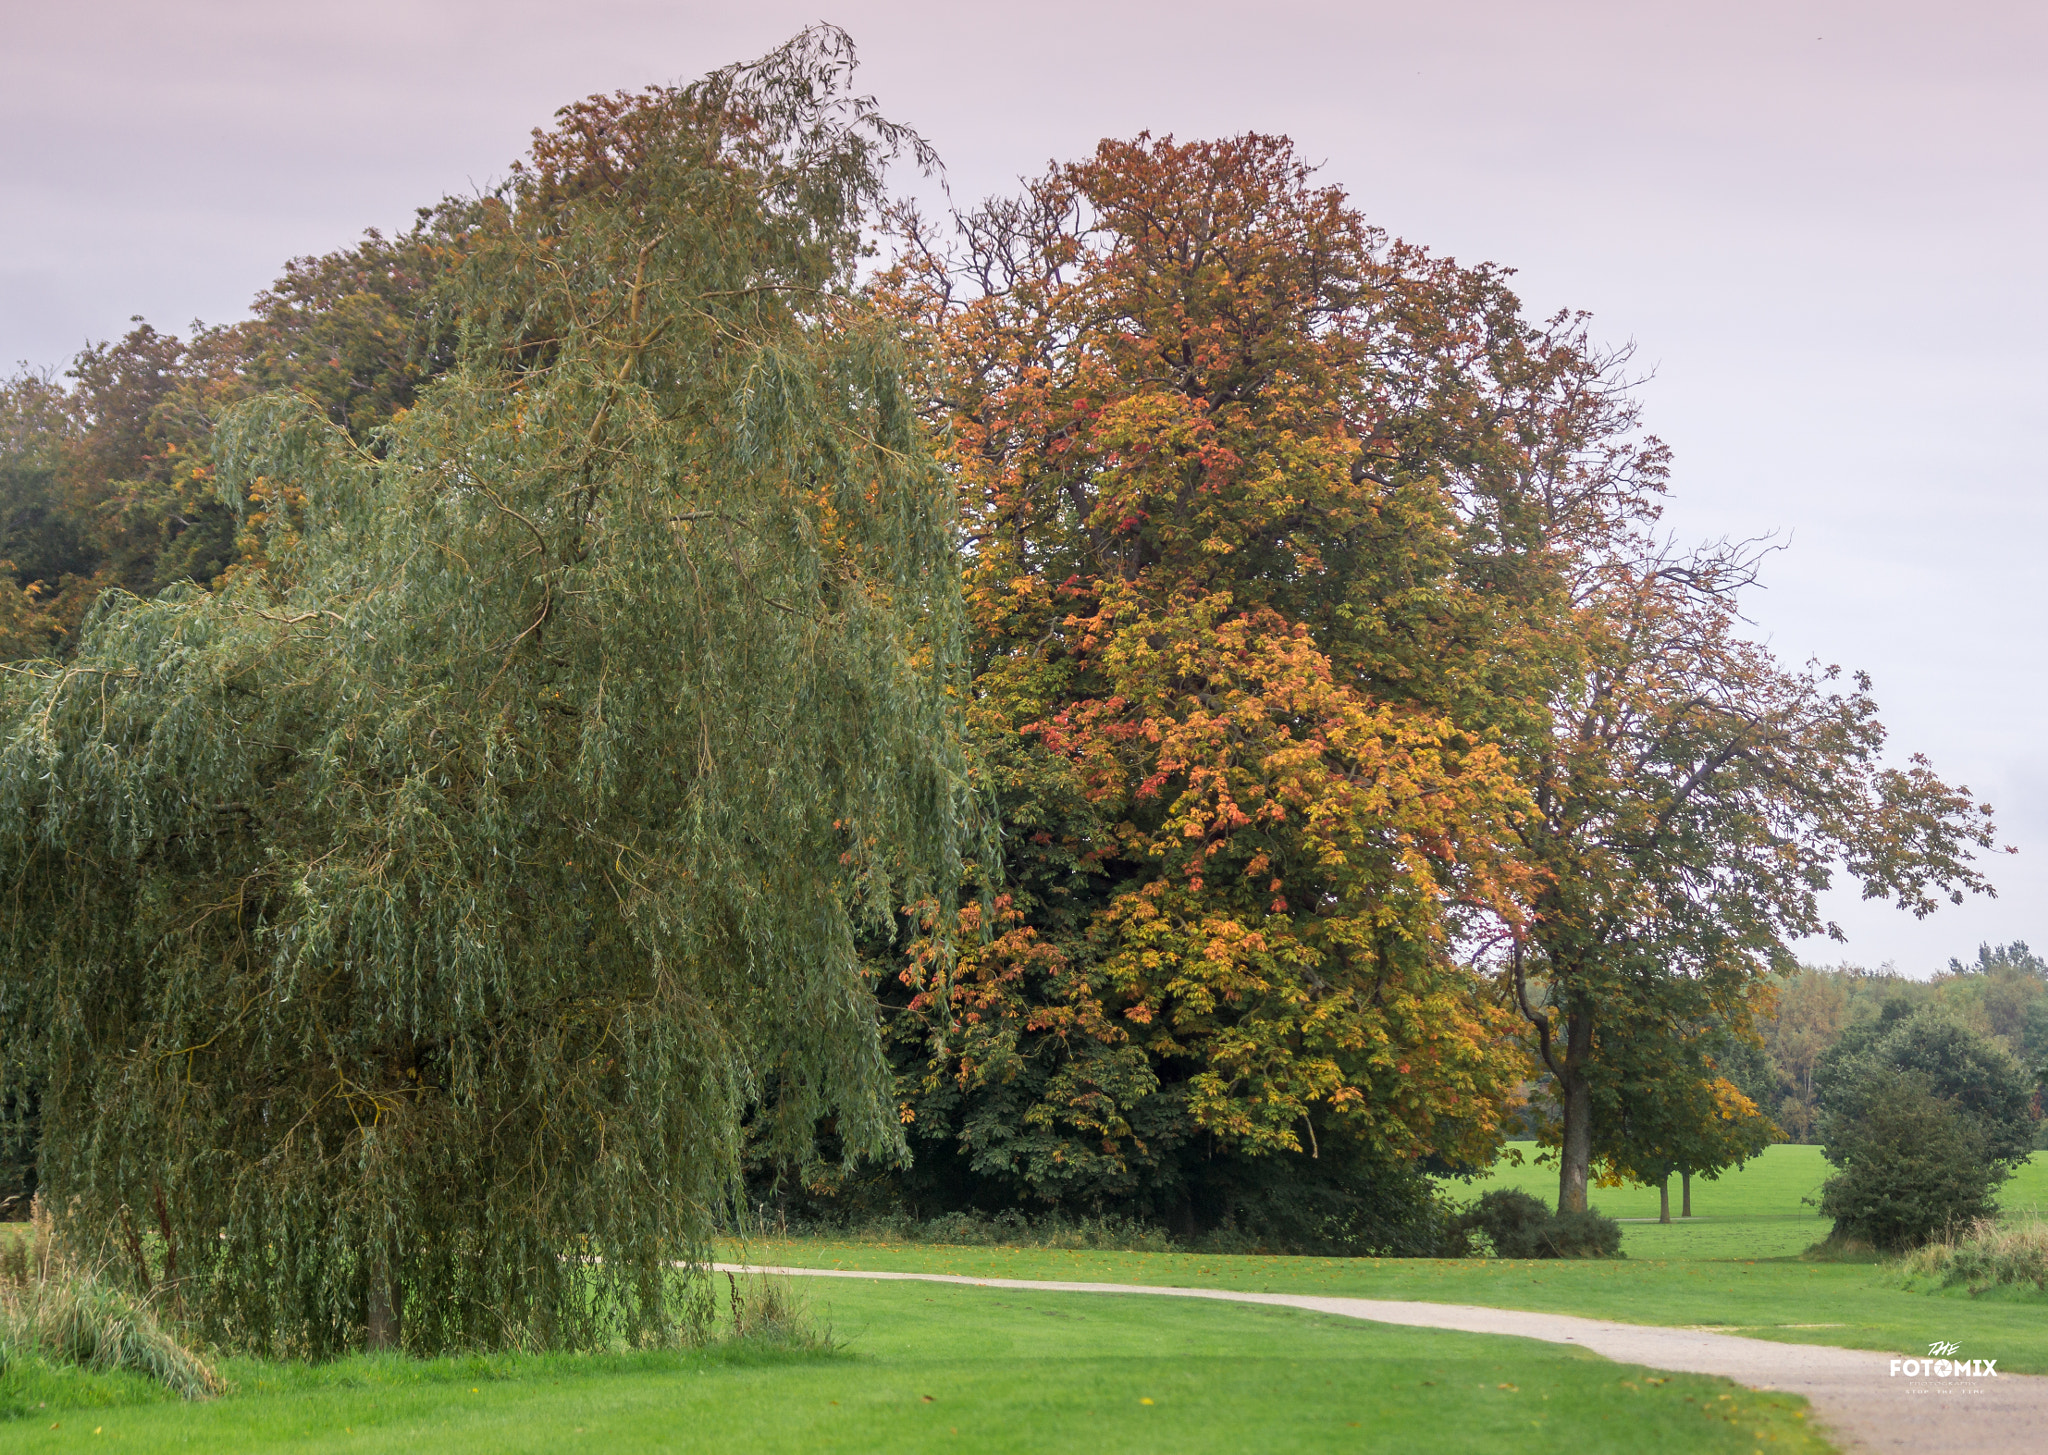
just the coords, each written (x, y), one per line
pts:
(383, 1308)
(1664, 1198)
(1575, 1162)
(1685, 1182)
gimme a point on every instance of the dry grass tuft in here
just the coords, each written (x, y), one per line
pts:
(1988, 1255)
(768, 1310)
(56, 1310)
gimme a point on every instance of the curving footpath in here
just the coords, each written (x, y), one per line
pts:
(1861, 1404)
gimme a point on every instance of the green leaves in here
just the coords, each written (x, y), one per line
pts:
(423, 912)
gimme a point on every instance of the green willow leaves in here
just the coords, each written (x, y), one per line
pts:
(406, 931)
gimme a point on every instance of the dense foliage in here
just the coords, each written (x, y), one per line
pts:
(1925, 1118)
(401, 932)
(1913, 1165)
(1321, 641)
(1240, 476)
(2001, 994)
(1971, 1072)
(1508, 1223)
(549, 667)
(109, 483)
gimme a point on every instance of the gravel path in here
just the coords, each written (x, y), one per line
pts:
(1860, 1403)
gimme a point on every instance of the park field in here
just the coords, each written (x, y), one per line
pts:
(1759, 1210)
(945, 1367)
(1735, 1267)
(939, 1367)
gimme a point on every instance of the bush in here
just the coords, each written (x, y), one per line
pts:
(1988, 1255)
(1914, 1166)
(1973, 1074)
(1516, 1225)
(1506, 1220)
(1346, 1203)
(1586, 1234)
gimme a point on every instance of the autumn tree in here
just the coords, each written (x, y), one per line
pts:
(1257, 609)
(106, 479)
(1250, 488)
(1694, 797)
(403, 933)
(1665, 1106)
(98, 488)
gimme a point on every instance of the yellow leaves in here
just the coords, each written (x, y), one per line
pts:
(1730, 1105)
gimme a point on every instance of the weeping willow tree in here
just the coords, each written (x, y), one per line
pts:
(406, 934)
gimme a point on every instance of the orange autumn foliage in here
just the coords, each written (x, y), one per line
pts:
(1224, 622)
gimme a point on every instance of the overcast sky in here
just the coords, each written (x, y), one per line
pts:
(1824, 225)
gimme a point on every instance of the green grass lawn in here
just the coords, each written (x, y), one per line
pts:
(1735, 1266)
(933, 1367)
(1755, 1211)
(1029, 1371)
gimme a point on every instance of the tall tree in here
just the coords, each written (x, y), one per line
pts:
(1694, 798)
(1255, 603)
(406, 928)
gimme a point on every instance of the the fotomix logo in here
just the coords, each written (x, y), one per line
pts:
(1940, 1363)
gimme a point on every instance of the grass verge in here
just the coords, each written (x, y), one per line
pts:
(1989, 1256)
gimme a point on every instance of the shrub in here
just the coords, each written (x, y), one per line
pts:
(1516, 1225)
(1587, 1234)
(1507, 1220)
(1913, 1165)
(1348, 1202)
(57, 1311)
(1988, 1255)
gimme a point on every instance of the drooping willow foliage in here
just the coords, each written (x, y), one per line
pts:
(403, 934)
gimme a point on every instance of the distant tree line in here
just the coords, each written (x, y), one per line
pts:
(2002, 995)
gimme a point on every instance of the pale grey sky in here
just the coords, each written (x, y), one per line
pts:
(1823, 224)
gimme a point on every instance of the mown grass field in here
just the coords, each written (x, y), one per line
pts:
(934, 1367)
(1756, 1211)
(1025, 1371)
(1734, 1267)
